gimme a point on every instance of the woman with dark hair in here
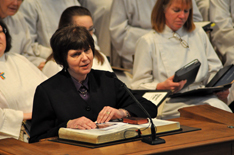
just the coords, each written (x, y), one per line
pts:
(19, 79)
(173, 43)
(78, 96)
(78, 16)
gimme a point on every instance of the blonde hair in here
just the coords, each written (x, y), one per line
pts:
(158, 19)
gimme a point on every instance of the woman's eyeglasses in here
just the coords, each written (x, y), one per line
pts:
(182, 42)
(3, 30)
(91, 29)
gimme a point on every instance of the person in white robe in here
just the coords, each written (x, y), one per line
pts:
(204, 6)
(79, 16)
(18, 81)
(42, 17)
(21, 42)
(130, 19)
(222, 14)
(172, 44)
(100, 11)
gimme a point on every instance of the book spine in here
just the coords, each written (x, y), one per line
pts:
(76, 136)
(125, 134)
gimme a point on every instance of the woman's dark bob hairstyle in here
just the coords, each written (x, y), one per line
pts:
(8, 36)
(70, 38)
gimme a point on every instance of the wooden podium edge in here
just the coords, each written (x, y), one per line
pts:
(207, 113)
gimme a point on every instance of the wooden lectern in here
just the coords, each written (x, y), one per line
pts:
(215, 137)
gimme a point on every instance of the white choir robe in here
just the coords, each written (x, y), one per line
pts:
(42, 17)
(222, 14)
(21, 40)
(16, 92)
(131, 19)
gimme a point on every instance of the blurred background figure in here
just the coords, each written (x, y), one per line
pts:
(100, 10)
(222, 14)
(130, 19)
(19, 79)
(204, 6)
(21, 40)
(78, 16)
(42, 17)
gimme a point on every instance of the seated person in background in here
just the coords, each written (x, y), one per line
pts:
(18, 82)
(78, 16)
(174, 42)
(100, 11)
(130, 19)
(78, 96)
(21, 41)
(42, 17)
(222, 36)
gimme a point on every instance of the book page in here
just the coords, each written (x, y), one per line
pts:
(202, 24)
(155, 97)
(118, 126)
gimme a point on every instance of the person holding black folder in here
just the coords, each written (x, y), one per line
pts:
(79, 96)
(174, 42)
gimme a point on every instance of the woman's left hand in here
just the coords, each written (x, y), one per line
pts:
(108, 113)
(222, 95)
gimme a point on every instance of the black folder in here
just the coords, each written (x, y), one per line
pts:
(188, 72)
(221, 81)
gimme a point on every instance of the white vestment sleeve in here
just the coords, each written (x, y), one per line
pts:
(10, 121)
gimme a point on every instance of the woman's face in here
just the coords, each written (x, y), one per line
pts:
(80, 63)
(9, 7)
(2, 42)
(84, 21)
(176, 14)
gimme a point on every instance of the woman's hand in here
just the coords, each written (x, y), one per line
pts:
(27, 116)
(41, 65)
(222, 95)
(168, 84)
(109, 113)
(82, 123)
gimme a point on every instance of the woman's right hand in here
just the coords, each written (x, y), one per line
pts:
(82, 123)
(168, 84)
(27, 116)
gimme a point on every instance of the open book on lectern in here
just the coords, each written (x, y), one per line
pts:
(221, 81)
(117, 131)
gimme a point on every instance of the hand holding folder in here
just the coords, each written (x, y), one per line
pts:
(221, 81)
(187, 72)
